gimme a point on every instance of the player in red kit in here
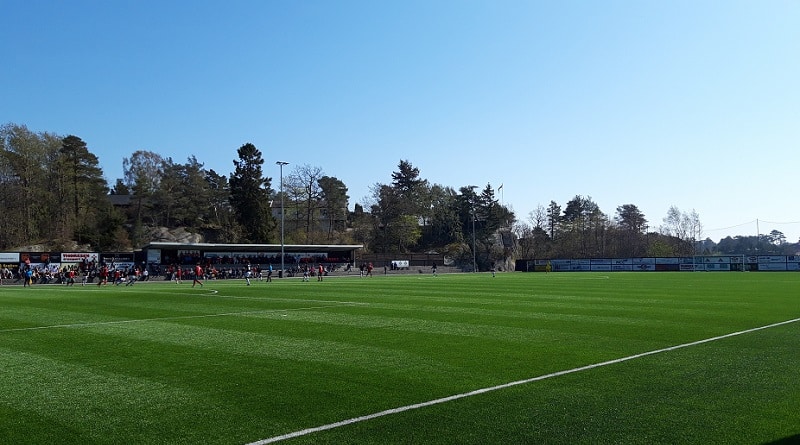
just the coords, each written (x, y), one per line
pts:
(198, 273)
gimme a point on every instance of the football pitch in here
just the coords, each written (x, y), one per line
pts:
(560, 358)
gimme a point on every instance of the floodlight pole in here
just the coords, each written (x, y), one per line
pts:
(472, 208)
(472, 205)
(281, 164)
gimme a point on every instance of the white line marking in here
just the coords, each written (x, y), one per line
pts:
(401, 409)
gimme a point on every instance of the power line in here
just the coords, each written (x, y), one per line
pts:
(732, 227)
(773, 222)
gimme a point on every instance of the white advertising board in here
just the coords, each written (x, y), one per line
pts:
(77, 257)
(124, 265)
(154, 256)
(771, 266)
(668, 261)
(771, 259)
(9, 257)
(560, 265)
(687, 264)
(716, 260)
(52, 267)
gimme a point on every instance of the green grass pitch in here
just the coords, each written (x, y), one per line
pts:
(160, 363)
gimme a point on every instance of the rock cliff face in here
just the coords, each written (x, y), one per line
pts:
(71, 246)
(178, 235)
(31, 248)
(163, 234)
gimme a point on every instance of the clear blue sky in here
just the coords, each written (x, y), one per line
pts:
(694, 104)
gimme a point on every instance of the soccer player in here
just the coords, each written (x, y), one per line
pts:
(131, 276)
(28, 277)
(198, 273)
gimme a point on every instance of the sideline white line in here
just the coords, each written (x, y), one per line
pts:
(401, 409)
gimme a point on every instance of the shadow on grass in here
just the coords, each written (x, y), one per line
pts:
(791, 440)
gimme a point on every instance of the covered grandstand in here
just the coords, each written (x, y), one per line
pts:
(295, 255)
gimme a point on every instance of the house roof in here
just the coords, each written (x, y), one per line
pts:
(120, 200)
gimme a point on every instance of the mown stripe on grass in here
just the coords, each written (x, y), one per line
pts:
(358, 344)
(507, 385)
(97, 405)
(90, 323)
(265, 345)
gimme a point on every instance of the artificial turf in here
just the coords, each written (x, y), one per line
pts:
(233, 364)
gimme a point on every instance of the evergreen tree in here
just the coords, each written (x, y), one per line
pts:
(221, 217)
(195, 194)
(553, 219)
(409, 190)
(250, 194)
(143, 173)
(445, 227)
(87, 187)
(165, 202)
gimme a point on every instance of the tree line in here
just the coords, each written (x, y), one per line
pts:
(54, 193)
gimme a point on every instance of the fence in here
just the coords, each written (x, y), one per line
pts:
(672, 264)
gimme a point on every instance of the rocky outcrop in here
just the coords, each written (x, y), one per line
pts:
(177, 235)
